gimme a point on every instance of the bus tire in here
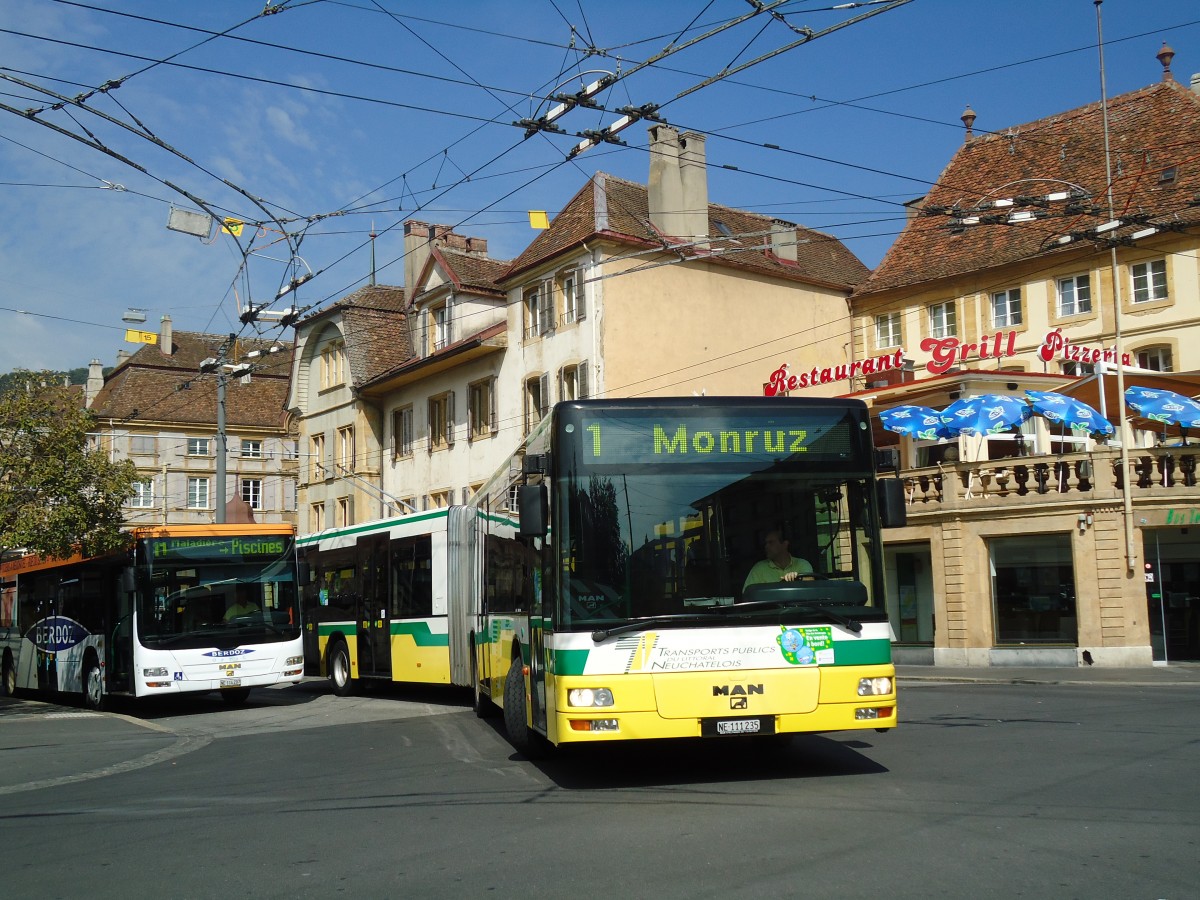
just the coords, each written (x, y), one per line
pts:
(235, 696)
(338, 664)
(93, 684)
(520, 735)
(8, 676)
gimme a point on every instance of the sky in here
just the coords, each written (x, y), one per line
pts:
(324, 121)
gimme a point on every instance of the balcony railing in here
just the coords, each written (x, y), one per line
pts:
(1161, 473)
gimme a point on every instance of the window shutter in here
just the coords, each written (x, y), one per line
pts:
(545, 306)
(423, 331)
(580, 295)
(448, 338)
(581, 380)
(450, 419)
(493, 424)
(544, 389)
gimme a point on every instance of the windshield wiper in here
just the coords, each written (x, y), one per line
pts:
(634, 624)
(849, 623)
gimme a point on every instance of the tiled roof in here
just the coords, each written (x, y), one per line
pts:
(618, 210)
(472, 272)
(152, 386)
(375, 326)
(1150, 130)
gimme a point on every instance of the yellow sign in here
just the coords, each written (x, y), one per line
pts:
(538, 219)
(233, 226)
(140, 337)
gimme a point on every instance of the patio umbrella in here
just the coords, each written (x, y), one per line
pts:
(985, 414)
(1164, 406)
(919, 422)
(1069, 412)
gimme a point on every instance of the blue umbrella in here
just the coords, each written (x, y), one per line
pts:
(985, 414)
(919, 422)
(1164, 406)
(1067, 411)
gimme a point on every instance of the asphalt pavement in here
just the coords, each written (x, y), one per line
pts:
(47, 744)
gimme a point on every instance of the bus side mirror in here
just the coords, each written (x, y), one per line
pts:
(128, 581)
(304, 572)
(534, 508)
(893, 513)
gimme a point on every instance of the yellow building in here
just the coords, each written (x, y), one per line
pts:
(1019, 271)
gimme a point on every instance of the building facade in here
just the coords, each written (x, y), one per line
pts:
(159, 410)
(1019, 271)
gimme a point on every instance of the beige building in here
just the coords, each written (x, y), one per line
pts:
(1041, 545)
(159, 410)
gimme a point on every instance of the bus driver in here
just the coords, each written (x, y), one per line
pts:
(779, 565)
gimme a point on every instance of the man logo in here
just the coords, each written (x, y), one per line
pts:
(736, 690)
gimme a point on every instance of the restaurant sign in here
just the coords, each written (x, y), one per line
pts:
(944, 353)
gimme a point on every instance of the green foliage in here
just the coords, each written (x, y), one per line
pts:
(58, 493)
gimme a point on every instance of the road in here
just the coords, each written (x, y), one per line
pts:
(1004, 790)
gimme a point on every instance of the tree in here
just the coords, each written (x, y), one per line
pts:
(58, 493)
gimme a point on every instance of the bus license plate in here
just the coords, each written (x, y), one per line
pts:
(231, 682)
(722, 727)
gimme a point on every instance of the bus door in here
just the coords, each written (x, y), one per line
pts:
(375, 635)
(540, 613)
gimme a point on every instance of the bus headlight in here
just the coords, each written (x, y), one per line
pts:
(590, 697)
(156, 672)
(294, 660)
(874, 687)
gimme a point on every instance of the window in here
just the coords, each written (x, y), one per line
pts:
(532, 306)
(143, 495)
(1033, 589)
(481, 414)
(440, 318)
(572, 298)
(439, 499)
(943, 322)
(1076, 369)
(402, 432)
(1156, 358)
(573, 382)
(252, 449)
(317, 457)
(316, 517)
(333, 364)
(537, 390)
(141, 445)
(198, 447)
(1149, 281)
(252, 492)
(345, 512)
(1074, 295)
(197, 493)
(441, 421)
(345, 448)
(1006, 308)
(887, 330)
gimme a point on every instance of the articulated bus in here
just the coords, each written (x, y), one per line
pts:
(595, 589)
(183, 608)
(615, 552)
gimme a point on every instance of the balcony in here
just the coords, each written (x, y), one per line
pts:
(1156, 476)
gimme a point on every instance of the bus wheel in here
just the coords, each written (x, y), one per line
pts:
(235, 696)
(520, 735)
(339, 669)
(8, 678)
(93, 685)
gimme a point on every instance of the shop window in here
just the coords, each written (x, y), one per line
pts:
(1033, 589)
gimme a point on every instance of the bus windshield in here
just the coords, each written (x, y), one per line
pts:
(663, 517)
(217, 592)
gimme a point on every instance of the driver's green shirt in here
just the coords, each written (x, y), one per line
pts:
(766, 572)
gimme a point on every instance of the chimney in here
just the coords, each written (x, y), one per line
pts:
(166, 337)
(1196, 83)
(665, 190)
(693, 173)
(783, 239)
(95, 381)
(122, 357)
